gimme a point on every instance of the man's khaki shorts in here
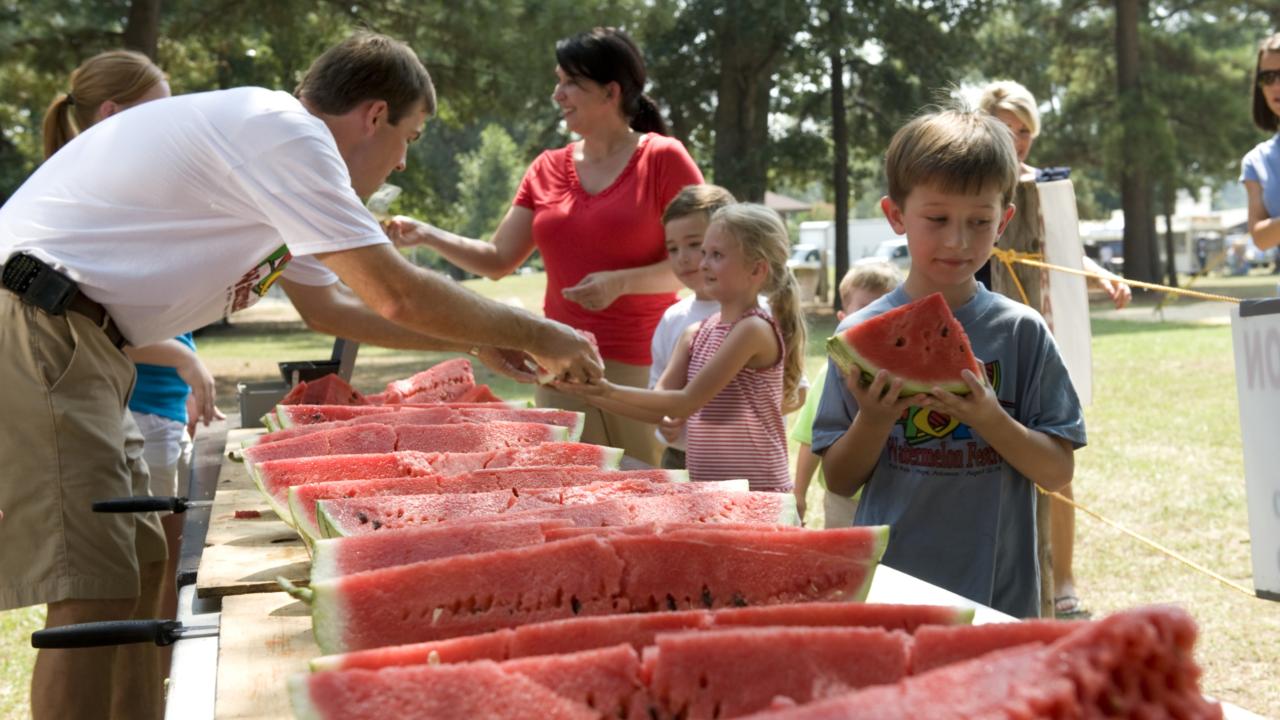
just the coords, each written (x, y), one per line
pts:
(66, 440)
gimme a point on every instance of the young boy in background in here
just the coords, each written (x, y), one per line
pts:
(952, 474)
(859, 287)
(685, 222)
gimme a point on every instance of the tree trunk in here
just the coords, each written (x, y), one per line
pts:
(840, 138)
(142, 29)
(750, 38)
(1136, 196)
(1171, 261)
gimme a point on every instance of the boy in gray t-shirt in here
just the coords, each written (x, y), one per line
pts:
(952, 475)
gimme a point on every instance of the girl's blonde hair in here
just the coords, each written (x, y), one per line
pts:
(121, 76)
(763, 236)
(1011, 97)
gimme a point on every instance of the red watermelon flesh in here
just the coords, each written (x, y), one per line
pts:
(290, 415)
(364, 439)
(429, 692)
(301, 499)
(1136, 663)
(444, 382)
(481, 592)
(606, 679)
(360, 515)
(326, 390)
(938, 646)
(640, 630)
(345, 556)
(729, 673)
(440, 415)
(658, 528)
(920, 342)
(479, 394)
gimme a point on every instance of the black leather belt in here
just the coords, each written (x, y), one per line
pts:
(38, 284)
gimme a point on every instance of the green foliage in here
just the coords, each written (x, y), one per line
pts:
(489, 176)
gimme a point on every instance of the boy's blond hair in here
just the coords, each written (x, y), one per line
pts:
(955, 151)
(693, 199)
(1013, 98)
(876, 277)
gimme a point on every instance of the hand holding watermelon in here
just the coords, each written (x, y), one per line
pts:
(880, 399)
(567, 354)
(978, 408)
(503, 361)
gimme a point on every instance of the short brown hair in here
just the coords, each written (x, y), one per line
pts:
(876, 277)
(368, 66)
(693, 199)
(954, 150)
(1262, 115)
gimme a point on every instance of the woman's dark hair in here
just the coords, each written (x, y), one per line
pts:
(1262, 115)
(604, 55)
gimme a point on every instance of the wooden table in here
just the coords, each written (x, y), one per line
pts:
(247, 555)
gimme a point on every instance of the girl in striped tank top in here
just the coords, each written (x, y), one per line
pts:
(732, 374)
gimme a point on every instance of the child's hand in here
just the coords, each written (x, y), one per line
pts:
(671, 428)
(596, 388)
(878, 401)
(977, 409)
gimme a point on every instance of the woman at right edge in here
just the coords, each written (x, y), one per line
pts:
(594, 210)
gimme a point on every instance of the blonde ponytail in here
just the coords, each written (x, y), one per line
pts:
(121, 76)
(764, 237)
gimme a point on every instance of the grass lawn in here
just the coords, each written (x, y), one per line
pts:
(1164, 459)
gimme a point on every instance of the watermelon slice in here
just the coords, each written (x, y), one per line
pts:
(921, 342)
(372, 438)
(345, 556)
(360, 515)
(438, 415)
(701, 508)
(1135, 664)
(605, 679)
(479, 394)
(444, 382)
(277, 475)
(641, 629)
(326, 390)
(302, 499)
(283, 416)
(938, 646)
(481, 592)
(429, 692)
(731, 672)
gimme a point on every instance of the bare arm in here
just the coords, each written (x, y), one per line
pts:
(511, 245)
(806, 465)
(1264, 229)
(430, 304)
(174, 354)
(847, 464)
(1113, 285)
(750, 344)
(598, 290)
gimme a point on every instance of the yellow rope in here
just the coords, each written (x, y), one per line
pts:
(1008, 257)
(1151, 543)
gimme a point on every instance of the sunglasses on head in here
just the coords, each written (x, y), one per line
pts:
(1268, 77)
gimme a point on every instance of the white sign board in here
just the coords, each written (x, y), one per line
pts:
(1255, 332)
(1067, 305)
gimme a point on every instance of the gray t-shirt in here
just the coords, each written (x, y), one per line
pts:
(960, 517)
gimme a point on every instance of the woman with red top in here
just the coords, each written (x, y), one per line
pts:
(594, 210)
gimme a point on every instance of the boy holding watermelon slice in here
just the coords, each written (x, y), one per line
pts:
(946, 450)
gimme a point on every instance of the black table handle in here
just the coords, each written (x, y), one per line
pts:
(112, 632)
(141, 503)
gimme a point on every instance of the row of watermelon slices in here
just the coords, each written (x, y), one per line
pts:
(470, 577)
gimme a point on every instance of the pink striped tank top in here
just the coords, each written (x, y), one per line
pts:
(740, 433)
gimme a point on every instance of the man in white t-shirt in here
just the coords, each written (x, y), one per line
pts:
(163, 219)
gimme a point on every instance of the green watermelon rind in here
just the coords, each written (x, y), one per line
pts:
(324, 559)
(309, 534)
(881, 534)
(329, 528)
(848, 360)
(575, 432)
(327, 622)
(300, 698)
(677, 476)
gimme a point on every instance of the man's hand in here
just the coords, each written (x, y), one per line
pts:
(567, 355)
(200, 407)
(511, 363)
(596, 291)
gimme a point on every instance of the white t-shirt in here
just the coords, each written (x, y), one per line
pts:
(181, 211)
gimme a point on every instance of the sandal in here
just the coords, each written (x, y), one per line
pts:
(1069, 607)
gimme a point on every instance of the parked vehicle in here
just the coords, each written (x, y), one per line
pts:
(893, 252)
